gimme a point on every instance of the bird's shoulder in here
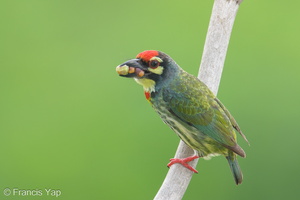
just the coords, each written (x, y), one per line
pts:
(188, 94)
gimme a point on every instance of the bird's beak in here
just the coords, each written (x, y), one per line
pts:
(132, 69)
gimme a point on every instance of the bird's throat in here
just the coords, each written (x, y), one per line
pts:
(148, 84)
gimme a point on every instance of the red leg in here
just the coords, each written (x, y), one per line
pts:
(184, 162)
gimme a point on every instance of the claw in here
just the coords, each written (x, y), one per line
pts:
(184, 162)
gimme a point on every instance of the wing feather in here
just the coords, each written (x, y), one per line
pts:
(197, 106)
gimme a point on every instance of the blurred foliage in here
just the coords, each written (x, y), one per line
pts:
(69, 122)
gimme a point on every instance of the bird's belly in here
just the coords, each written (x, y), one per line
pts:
(204, 145)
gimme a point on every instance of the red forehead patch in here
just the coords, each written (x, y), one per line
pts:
(147, 55)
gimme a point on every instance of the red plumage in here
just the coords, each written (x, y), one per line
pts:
(148, 95)
(147, 55)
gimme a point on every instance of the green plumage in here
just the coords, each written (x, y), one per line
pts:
(198, 117)
(194, 105)
(190, 109)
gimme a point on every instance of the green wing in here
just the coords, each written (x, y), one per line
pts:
(192, 102)
(232, 120)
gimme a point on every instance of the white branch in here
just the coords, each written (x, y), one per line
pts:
(217, 40)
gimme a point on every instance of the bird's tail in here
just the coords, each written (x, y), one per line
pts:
(235, 168)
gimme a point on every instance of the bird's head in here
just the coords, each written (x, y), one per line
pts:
(150, 68)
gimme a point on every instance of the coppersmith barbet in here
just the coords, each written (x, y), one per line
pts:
(188, 107)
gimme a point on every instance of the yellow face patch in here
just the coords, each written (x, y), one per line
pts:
(159, 70)
(156, 58)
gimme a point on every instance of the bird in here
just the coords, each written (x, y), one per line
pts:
(188, 107)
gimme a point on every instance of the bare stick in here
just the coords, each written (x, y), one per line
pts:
(217, 40)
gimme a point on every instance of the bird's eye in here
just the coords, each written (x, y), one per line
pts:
(153, 64)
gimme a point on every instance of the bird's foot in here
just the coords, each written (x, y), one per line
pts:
(184, 162)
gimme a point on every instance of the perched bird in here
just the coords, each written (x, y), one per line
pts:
(188, 107)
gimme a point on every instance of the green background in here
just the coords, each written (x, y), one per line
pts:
(69, 122)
